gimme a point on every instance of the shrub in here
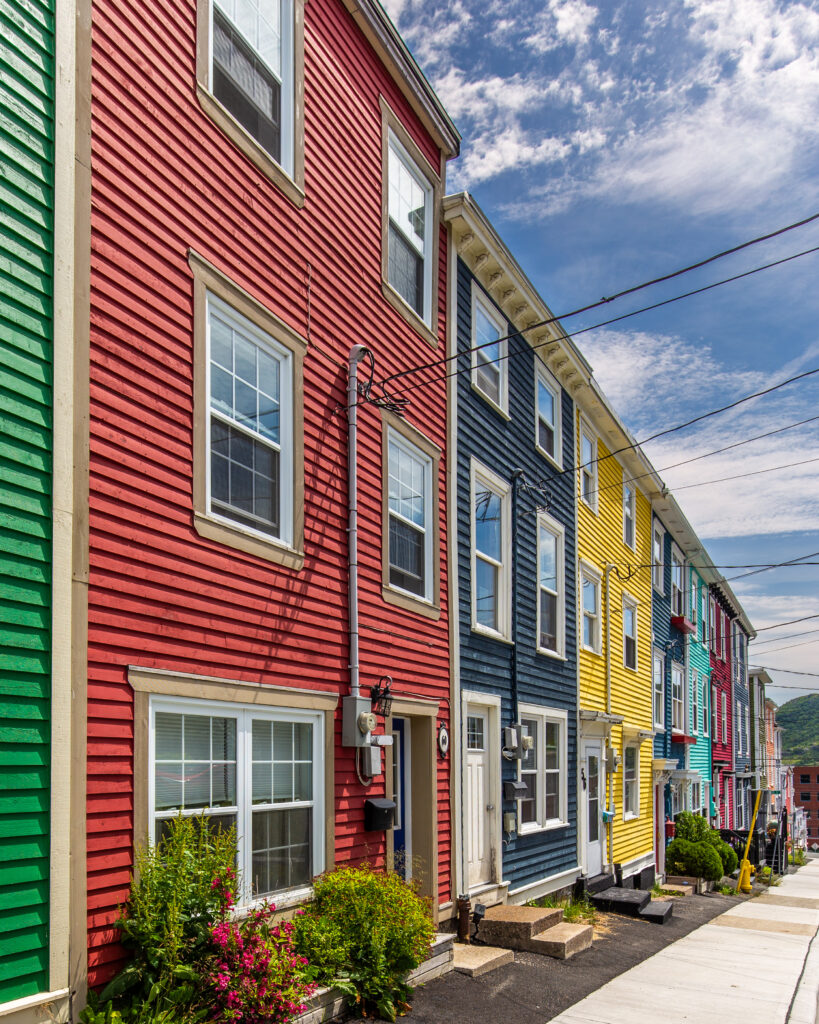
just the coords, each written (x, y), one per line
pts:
(678, 856)
(706, 862)
(691, 827)
(730, 861)
(363, 932)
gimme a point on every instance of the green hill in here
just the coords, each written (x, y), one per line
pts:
(799, 719)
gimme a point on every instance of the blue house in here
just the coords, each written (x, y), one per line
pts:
(513, 496)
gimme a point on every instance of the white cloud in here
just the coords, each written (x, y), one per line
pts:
(565, 22)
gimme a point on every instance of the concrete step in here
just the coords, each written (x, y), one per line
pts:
(621, 901)
(597, 883)
(476, 960)
(658, 911)
(562, 940)
(678, 890)
(511, 926)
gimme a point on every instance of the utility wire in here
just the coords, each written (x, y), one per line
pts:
(790, 622)
(787, 636)
(742, 476)
(788, 647)
(790, 672)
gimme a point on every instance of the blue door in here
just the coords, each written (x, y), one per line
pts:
(402, 832)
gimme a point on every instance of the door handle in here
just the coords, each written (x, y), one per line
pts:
(490, 807)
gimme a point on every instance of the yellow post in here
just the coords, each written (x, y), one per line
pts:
(744, 880)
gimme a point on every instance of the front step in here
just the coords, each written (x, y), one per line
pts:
(621, 901)
(477, 960)
(536, 930)
(658, 911)
(597, 883)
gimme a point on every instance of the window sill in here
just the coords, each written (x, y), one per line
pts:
(551, 654)
(499, 409)
(590, 650)
(631, 817)
(283, 901)
(234, 536)
(402, 599)
(491, 634)
(548, 457)
(245, 142)
(589, 506)
(529, 830)
(401, 306)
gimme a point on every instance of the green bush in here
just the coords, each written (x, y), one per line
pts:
(706, 862)
(691, 827)
(363, 932)
(730, 860)
(678, 856)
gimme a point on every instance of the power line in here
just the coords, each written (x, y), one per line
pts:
(789, 647)
(787, 636)
(790, 672)
(742, 476)
(790, 622)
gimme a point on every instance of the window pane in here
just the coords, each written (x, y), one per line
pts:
(197, 738)
(407, 557)
(528, 805)
(548, 621)
(548, 560)
(244, 478)
(590, 596)
(545, 404)
(283, 741)
(529, 727)
(407, 201)
(303, 741)
(488, 508)
(552, 795)
(223, 785)
(168, 786)
(168, 741)
(474, 732)
(281, 854)
(489, 381)
(486, 594)
(552, 746)
(406, 270)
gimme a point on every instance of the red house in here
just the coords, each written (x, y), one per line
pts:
(265, 184)
(722, 721)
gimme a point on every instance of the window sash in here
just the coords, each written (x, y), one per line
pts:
(658, 567)
(677, 699)
(412, 278)
(724, 710)
(658, 671)
(489, 592)
(544, 771)
(695, 703)
(628, 516)
(403, 530)
(631, 782)
(551, 592)
(588, 472)
(547, 427)
(489, 366)
(629, 638)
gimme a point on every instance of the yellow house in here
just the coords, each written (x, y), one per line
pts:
(615, 484)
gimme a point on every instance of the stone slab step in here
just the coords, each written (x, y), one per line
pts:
(678, 890)
(597, 883)
(510, 926)
(562, 940)
(476, 960)
(658, 911)
(621, 901)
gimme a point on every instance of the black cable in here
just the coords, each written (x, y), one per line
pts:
(742, 476)
(788, 647)
(787, 636)
(790, 622)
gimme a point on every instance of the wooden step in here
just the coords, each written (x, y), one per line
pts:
(511, 926)
(562, 940)
(476, 960)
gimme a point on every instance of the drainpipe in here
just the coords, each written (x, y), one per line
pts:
(609, 775)
(516, 477)
(357, 352)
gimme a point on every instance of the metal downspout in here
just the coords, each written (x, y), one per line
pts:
(356, 353)
(609, 775)
(516, 476)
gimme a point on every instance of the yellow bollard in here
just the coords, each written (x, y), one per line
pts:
(744, 880)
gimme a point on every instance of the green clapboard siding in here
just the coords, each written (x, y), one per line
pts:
(26, 279)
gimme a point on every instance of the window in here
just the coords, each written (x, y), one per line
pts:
(695, 703)
(696, 797)
(631, 781)
(588, 467)
(677, 583)
(409, 243)
(658, 678)
(705, 715)
(714, 713)
(712, 624)
(410, 514)
(629, 633)
(590, 598)
(675, 799)
(249, 69)
(740, 808)
(805, 779)
(548, 433)
(543, 769)
(677, 698)
(723, 635)
(254, 769)
(489, 363)
(804, 797)
(703, 616)
(658, 560)
(628, 515)
(491, 530)
(550, 629)
(739, 728)
(724, 714)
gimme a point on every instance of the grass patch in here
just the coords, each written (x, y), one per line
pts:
(575, 910)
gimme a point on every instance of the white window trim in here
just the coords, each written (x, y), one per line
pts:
(658, 568)
(286, 438)
(679, 670)
(712, 624)
(628, 487)
(479, 299)
(400, 150)
(695, 703)
(714, 713)
(394, 437)
(658, 659)
(545, 522)
(245, 713)
(547, 714)
(479, 473)
(706, 711)
(631, 815)
(586, 432)
(677, 559)
(543, 375)
(723, 705)
(596, 577)
(633, 604)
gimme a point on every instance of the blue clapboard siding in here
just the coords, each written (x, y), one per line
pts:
(503, 446)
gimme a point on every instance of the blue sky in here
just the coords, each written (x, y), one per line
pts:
(609, 143)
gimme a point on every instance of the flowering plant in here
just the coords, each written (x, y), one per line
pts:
(256, 977)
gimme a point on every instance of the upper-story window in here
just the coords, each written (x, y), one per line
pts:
(704, 691)
(489, 362)
(703, 615)
(677, 698)
(629, 632)
(714, 713)
(723, 701)
(631, 781)
(491, 528)
(629, 515)
(712, 624)
(410, 517)
(590, 603)
(658, 679)
(588, 467)
(695, 703)
(551, 590)
(409, 242)
(658, 559)
(548, 435)
(677, 583)
(723, 635)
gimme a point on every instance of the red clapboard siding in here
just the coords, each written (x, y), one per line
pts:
(165, 179)
(723, 753)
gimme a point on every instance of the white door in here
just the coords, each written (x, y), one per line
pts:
(479, 811)
(593, 799)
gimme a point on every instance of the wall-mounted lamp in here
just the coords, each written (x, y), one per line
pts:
(381, 696)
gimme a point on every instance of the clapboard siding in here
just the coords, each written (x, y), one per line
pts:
(487, 665)
(722, 754)
(26, 281)
(166, 180)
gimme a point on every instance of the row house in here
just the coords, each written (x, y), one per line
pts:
(512, 419)
(743, 773)
(758, 679)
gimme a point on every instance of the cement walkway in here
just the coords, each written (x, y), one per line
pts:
(756, 964)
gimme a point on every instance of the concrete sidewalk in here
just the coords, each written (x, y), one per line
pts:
(758, 963)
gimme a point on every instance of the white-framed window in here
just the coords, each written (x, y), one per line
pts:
(740, 807)
(712, 624)
(696, 797)
(631, 781)
(723, 635)
(658, 559)
(548, 429)
(252, 71)
(704, 616)
(249, 426)
(695, 703)
(629, 632)
(491, 556)
(629, 515)
(410, 515)
(489, 350)
(590, 606)
(675, 799)
(714, 713)
(658, 682)
(551, 586)
(723, 707)
(677, 698)
(677, 583)
(705, 710)
(256, 769)
(588, 466)
(409, 241)
(543, 769)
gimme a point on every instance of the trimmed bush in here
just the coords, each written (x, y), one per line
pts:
(730, 860)
(691, 827)
(706, 862)
(363, 932)
(678, 857)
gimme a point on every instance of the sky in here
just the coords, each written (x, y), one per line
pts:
(611, 143)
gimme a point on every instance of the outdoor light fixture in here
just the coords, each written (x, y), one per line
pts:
(381, 696)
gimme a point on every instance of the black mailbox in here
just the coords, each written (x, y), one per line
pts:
(514, 789)
(378, 814)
